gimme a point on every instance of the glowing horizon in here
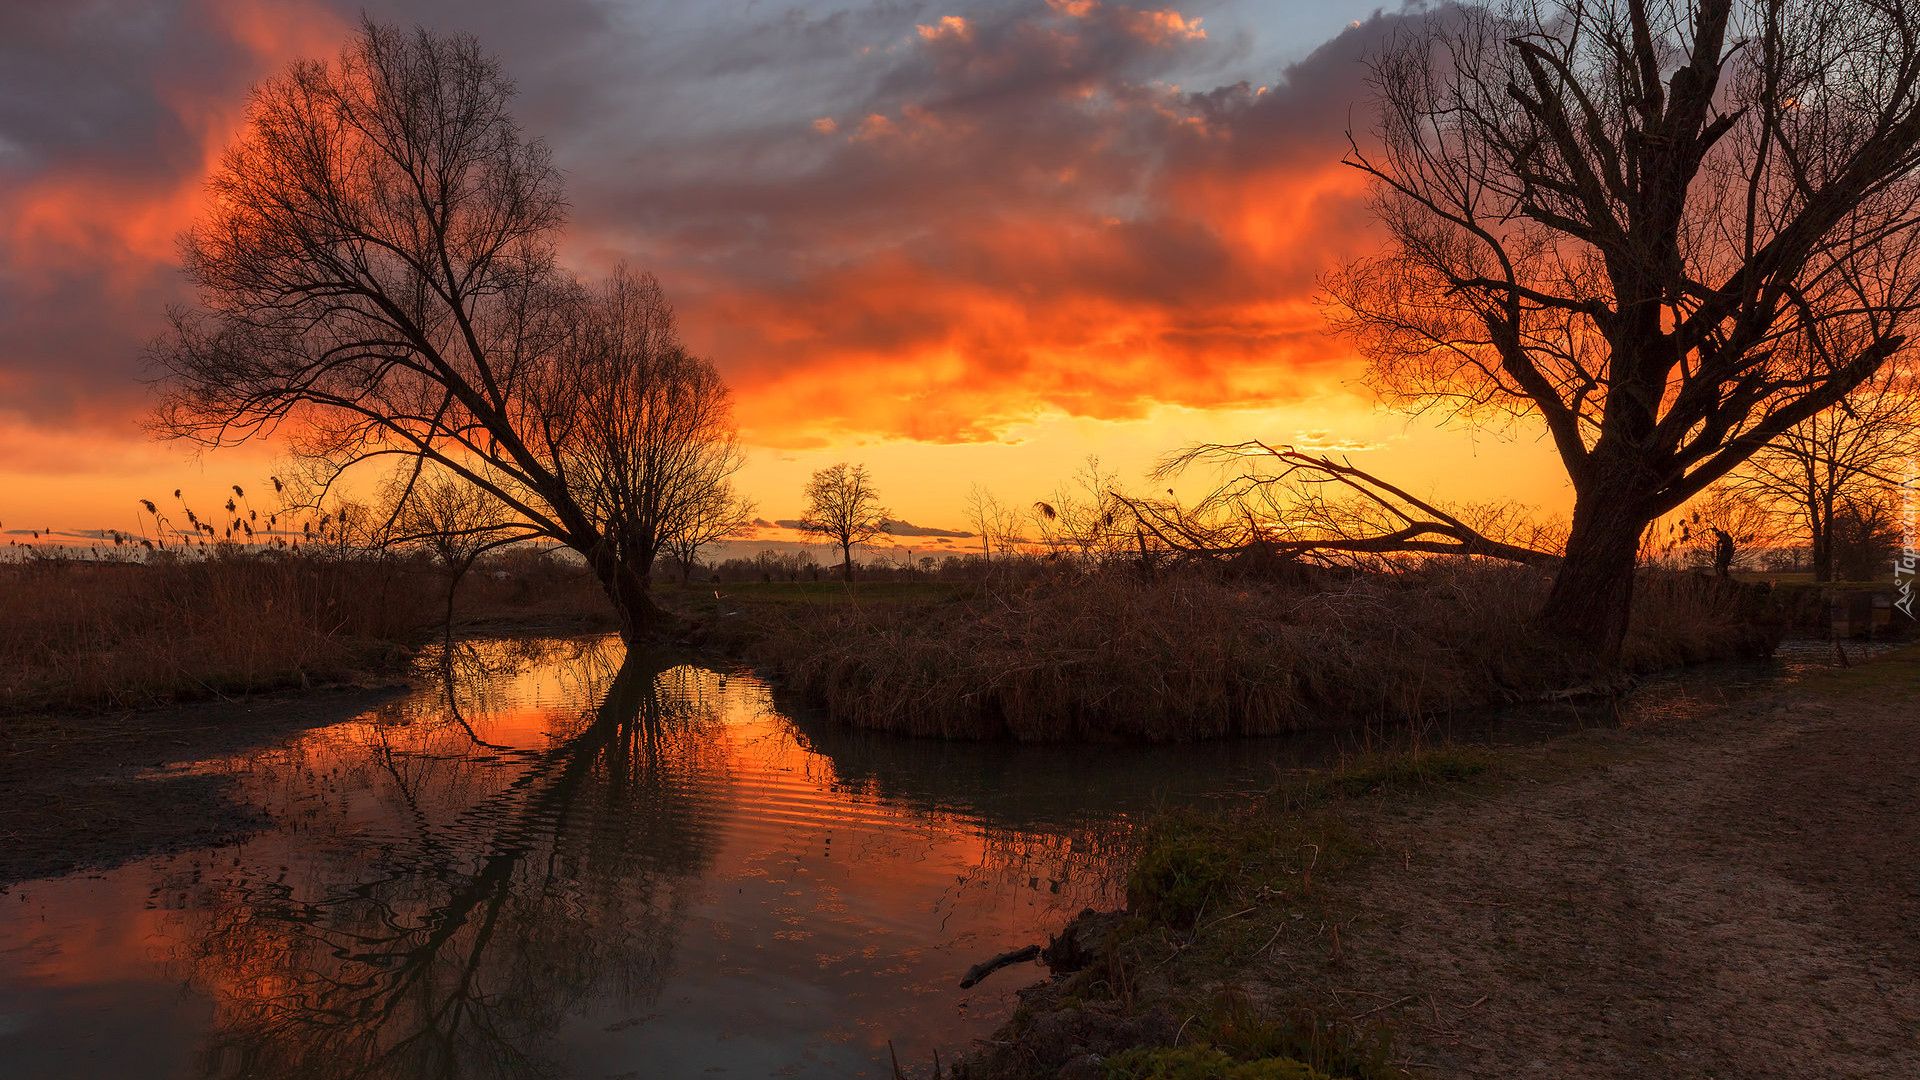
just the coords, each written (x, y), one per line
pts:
(967, 244)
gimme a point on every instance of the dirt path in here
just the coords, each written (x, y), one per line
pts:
(80, 791)
(1736, 897)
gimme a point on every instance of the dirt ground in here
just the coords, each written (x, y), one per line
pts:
(93, 790)
(1736, 895)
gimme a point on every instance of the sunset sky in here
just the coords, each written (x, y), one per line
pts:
(962, 242)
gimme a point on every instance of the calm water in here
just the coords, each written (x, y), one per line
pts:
(554, 865)
(551, 864)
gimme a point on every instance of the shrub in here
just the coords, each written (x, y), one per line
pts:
(77, 632)
(1180, 871)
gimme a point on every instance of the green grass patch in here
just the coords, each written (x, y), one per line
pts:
(1228, 1040)
(1183, 868)
(1407, 771)
(1210, 894)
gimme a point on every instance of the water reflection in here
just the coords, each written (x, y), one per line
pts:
(460, 943)
(553, 861)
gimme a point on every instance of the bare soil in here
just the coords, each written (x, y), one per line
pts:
(91, 790)
(1730, 896)
(1712, 890)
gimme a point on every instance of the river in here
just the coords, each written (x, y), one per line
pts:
(553, 861)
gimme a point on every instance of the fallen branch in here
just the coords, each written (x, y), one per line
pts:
(987, 967)
(1309, 527)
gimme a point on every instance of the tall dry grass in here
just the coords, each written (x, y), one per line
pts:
(76, 632)
(1191, 655)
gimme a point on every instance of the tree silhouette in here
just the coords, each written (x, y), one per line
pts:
(455, 520)
(1668, 231)
(376, 276)
(1844, 455)
(843, 506)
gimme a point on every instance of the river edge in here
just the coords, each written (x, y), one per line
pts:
(97, 789)
(1729, 892)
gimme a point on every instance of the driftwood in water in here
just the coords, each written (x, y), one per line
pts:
(987, 967)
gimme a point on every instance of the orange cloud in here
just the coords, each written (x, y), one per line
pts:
(1163, 26)
(949, 26)
(1035, 224)
(87, 248)
(1004, 216)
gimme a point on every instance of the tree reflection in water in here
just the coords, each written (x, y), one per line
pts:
(510, 897)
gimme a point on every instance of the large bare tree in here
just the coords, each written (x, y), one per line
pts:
(1669, 230)
(376, 276)
(641, 430)
(843, 506)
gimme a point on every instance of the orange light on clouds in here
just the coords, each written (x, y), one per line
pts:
(1030, 246)
(100, 218)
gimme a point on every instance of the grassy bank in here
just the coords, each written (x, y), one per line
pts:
(95, 633)
(1208, 897)
(79, 633)
(1586, 907)
(1194, 655)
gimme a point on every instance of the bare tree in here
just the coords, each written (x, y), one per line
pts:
(843, 506)
(455, 520)
(997, 524)
(376, 277)
(1842, 454)
(1670, 231)
(710, 514)
(640, 430)
(1718, 530)
(1088, 516)
(1283, 504)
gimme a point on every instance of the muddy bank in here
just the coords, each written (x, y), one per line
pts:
(1732, 893)
(86, 790)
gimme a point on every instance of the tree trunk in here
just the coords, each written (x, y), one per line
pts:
(846, 563)
(629, 587)
(1822, 540)
(1592, 595)
(453, 583)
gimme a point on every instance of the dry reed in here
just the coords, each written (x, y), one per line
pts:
(1190, 655)
(78, 633)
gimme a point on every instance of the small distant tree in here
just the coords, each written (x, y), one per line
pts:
(1839, 457)
(1866, 534)
(1719, 530)
(997, 524)
(709, 515)
(454, 520)
(1089, 517)
(843, 506)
